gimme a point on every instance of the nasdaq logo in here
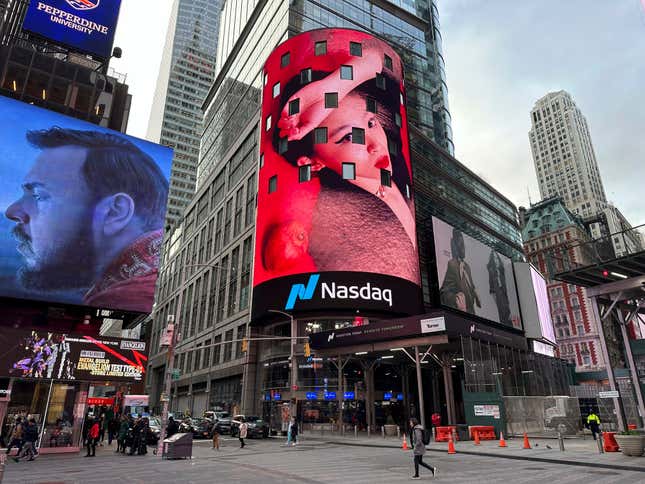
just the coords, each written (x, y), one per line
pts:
(302, 292)
(83, 4)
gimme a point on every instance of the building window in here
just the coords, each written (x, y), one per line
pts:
(294, 107)
(285, 59)
(331, 100)
(276, 90)
(371, 105)
(355, 48)
(380, 81)
(580, 329)
(304, 173)
(267, 123)
(387, 62)
(320, 48)
(273, 183)
(392, 146)
(347, 73)
(283, 145)
(320, 135)
(358, 136)
(349, 171)
(305, 76)
(261, 160)
(386, 178)
(397, 119)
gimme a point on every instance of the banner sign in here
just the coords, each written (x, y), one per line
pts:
(40, 354)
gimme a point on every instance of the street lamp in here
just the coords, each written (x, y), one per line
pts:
(294, 367)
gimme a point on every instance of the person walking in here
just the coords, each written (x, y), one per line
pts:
(172, 428)
(30, 437)
(244, 428)
(417, 434)
(124, 426)
(215, 437)
(293, 431)
(16, 436)
(593, 421)
(92, 438)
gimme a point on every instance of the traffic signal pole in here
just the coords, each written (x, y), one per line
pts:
(171, 334)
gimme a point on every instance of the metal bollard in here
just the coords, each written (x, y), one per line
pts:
(601, 450)
(561, 441)
(369, 431)
(356, 431)
(3, 459)
(383, 431)
(398, 433)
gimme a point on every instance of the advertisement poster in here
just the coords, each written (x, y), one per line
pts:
(84, 25)
(82, 211)
(475, 278)
(335, 186)
(40, 354)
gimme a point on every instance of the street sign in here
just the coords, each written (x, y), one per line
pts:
(176, 373)
(610, 394)
(164, 397)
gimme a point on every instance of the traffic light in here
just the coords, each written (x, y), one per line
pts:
(307, 350)
(245, 345)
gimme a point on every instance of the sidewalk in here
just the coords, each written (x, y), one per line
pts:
(577, 451)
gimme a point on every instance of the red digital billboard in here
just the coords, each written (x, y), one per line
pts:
(335, 220)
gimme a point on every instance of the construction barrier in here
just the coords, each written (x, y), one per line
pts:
(632, 426)
(445, 433)
(609, 442)
(485, 432)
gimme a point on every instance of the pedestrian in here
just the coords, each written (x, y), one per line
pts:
(102, 428)
(56, 433)
(16, 436)
(30, 437)
(293, 431)
(92, 437)
(124, 426)
(244, 428)
(215, 437)
(113, 429)
(418, 439)
(594, 423)
(172, 428)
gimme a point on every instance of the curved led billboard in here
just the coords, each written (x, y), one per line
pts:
(82, 211)
(335, 220)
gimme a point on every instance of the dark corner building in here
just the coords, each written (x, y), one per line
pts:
(275, 217)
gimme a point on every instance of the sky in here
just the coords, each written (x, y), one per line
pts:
(501, 56)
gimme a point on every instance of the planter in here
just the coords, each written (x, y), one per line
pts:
(390, 430)
(631, 445)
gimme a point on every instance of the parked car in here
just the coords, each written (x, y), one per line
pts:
(201, 428)
(155, 430)
(215, 415)
(257, 428)
(223, 426)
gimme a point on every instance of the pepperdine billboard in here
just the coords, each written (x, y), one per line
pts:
(335, 221)
(84, 25)
(474, 278)
(82, 211)
(40, 354)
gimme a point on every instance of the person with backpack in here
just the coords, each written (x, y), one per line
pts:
(419, 438)
(92, 437)
(30, 437)
(16, 436)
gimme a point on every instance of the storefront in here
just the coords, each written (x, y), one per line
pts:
(56, 379)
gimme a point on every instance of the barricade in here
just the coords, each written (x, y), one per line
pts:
(485, 432)
(445, 433)
(609, 442)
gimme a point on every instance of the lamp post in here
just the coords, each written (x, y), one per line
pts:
(294, 366)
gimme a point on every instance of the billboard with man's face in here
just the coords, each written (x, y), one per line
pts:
(83, 211)
(335, 220)
(475, 278)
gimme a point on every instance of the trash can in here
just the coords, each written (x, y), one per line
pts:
(462, 432)
(179, 446)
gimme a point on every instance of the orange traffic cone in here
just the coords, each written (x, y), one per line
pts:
(502, 442)
(526, 442)
(405, 444)
(477, 438)
(451, 446)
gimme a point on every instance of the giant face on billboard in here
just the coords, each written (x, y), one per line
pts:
(83, 211)
(335, 219)
(475, 278)
(84, 25)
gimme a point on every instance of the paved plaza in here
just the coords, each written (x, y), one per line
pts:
(312, 462)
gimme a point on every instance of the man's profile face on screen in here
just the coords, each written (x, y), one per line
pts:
(54, 222)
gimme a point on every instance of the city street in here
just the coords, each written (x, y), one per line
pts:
(313, 462)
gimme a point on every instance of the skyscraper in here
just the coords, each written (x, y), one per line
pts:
(564, 157)
(187, 71)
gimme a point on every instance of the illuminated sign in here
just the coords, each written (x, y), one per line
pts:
(277, 397)
(330, 396)
(335, 224)
(40, 354)
(82, 211)
(85, 25)
(348, 395)
(387, 396)
(311, 396)
(104, 402)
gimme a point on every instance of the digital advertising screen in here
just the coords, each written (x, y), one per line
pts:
(40, 354)
(474, 278)
(335, 219)
(85, 25)
(83, 211)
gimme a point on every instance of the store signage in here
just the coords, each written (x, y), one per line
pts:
(40, 354)
(387, 396)
(399, 397)
(433, 325)
(311, 396)
(85, 25)
(609, 394)
(100, 401)
(277, 397)
(330, 396)
(348, 395)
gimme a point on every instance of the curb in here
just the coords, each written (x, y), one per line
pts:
(502, 456)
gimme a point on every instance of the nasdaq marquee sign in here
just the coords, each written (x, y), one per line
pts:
(85, 25)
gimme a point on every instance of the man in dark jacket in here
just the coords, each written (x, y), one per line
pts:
(418, 448)
(172, 429)
(30, 436)
(92, 437)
